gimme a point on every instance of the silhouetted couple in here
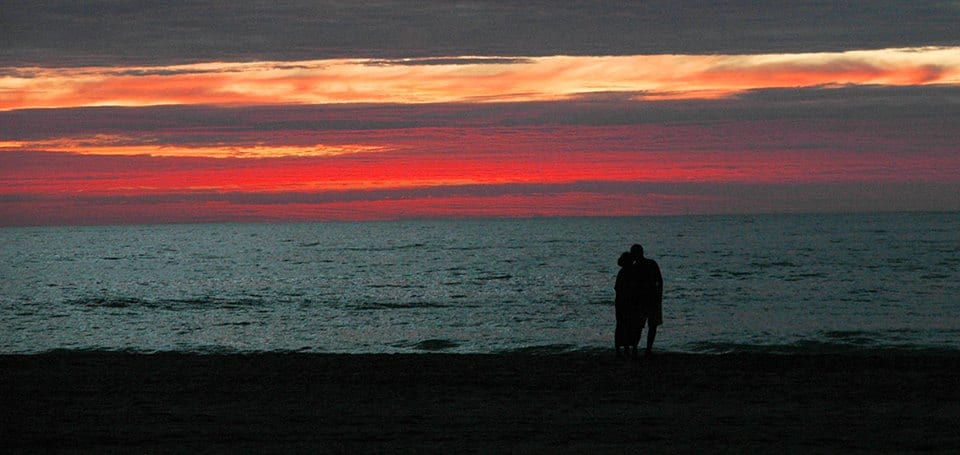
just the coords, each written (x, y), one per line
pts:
(639, 301)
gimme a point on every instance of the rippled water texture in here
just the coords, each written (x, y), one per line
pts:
(738, 283)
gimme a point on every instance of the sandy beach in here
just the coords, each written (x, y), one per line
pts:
(587, 402)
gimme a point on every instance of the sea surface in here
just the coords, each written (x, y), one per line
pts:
(766, 283)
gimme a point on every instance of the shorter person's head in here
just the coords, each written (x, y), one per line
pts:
(636, 250)
(625, 260)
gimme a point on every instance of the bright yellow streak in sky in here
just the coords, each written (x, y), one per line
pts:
(469, 79)
(115, 145)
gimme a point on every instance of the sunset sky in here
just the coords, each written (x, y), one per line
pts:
(156, 112)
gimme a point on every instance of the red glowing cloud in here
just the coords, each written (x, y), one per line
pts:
(482, 171)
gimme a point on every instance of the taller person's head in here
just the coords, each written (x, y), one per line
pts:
(636, 250)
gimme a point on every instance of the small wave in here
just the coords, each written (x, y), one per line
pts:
(935, 276)
(108, 302)
(545, 349)
(803, 276)
(436, 344)
(855, 337)
(815, 347)
(398, 286)
(238, 323)
(731, 274)
(239, 303)
(186, 303)
(772, 264)
(464, 248)
(495, 277)
(387, 248)
(203, 350)
(402, 305)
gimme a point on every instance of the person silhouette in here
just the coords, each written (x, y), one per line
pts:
(625, 301)
(649, 297)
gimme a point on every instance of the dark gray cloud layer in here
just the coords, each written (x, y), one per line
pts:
(934, 105)
(723, 199)
(70, 32)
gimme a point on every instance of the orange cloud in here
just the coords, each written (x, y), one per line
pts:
(103, 144)
(468, 79)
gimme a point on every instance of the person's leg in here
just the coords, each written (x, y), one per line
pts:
(618, 336)
(642, 320)
(651, 335)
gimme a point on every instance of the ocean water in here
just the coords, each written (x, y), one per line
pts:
(768, 283)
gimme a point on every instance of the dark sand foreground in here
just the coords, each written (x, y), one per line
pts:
(96, 402)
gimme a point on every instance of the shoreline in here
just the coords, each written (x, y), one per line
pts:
(574, 402)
